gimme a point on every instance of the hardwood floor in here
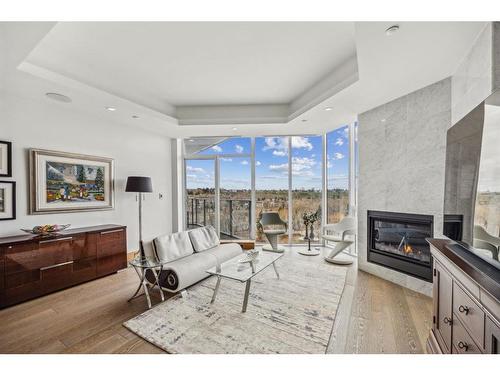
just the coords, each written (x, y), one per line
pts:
(375, 316)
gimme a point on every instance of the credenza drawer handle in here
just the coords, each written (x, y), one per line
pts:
(57, 239)
(463, 309)
(112, 231)
(56, 265)
(447, 320)
(463, 345)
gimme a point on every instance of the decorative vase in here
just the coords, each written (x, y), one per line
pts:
(311, 233)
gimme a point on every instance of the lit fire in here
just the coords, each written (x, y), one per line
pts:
(407, 249)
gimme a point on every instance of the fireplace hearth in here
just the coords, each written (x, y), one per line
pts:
(397, 240)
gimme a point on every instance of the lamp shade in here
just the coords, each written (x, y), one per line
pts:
(139, 184)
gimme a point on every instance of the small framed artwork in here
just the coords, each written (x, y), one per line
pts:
(7, 200)
(5, 159)
(66, 182)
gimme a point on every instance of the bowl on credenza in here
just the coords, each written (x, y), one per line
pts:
(47, 230)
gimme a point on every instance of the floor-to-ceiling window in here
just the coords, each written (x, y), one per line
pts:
(230, 163)
(200, 192)
(295, 176)
(337, 174)
(271, 180)
(306, 158)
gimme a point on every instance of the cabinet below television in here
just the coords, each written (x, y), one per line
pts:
(466, 296)
(31, 266)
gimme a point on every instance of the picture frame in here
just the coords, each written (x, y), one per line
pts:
(7, 200)
(5, 159)
(63, 182)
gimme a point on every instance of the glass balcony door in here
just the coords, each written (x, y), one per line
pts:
(201, 203)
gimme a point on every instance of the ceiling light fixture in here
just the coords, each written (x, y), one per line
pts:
(304, 120)
(110, 108)
(58, 97)
(328, 108)
(191, 140)
(391, 30)
(383, 120)
(235, 129)
(135, 116)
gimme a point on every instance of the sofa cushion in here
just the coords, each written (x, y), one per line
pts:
(169, 247)
(204, 238)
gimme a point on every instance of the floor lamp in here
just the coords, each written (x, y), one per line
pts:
(139, 185)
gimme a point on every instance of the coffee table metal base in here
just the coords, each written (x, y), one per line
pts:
(248, 283)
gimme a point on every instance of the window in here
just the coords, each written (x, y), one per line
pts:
(288, 179)
(271, 180)
(306, 186)
(235, 197)
(200, 193)
(231, 146)
(337, 174)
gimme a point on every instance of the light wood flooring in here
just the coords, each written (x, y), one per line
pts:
(374, 316)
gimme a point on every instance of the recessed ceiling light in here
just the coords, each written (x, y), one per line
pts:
(111, 109)
(135, 116)
(304, 120)
(383, 120)
(235, 128)
(328, 108)
(391, 30)
(191, 140)
(58, 97)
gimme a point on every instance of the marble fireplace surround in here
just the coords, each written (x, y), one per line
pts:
(402, 146)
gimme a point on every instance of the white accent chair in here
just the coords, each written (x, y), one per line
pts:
(337, 233)
(485, 241)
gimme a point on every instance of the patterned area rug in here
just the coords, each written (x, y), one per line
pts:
(294, 314)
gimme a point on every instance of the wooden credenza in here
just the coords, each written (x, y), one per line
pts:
(466, 297)
(31, 266)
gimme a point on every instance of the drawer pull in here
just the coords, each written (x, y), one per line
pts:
(112, 231)
(463, 345)
(447, 320)
(57, 239)
(463, 309)
(56, 265)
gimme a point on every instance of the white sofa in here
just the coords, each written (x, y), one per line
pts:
(189, 255)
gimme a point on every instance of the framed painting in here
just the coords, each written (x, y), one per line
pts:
(5, 159)
(65, 182)
(7, 200)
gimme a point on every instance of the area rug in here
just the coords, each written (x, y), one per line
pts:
(293, 314)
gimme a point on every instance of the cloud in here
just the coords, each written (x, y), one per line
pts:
(217, 148)
(279, 153)
(226, 159)
(238, 149)
(339, 142)
(338, 156)
(301, 142)
(257, 163)
(276, 143)
(244, 162)
(301, 166)
(194, 169)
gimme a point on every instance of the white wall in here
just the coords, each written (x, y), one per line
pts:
(56, 126)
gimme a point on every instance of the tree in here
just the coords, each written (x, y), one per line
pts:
(99, 179)
(81, 176)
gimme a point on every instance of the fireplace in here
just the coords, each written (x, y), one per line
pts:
(397, 241)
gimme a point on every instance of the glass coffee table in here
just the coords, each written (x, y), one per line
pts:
(243, 272)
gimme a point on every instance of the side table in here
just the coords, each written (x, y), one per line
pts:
(141, 265)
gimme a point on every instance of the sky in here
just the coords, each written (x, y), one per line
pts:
(271, 163)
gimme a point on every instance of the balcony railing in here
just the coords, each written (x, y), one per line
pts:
(235, 215)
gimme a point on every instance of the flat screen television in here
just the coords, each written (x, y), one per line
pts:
(472, 181)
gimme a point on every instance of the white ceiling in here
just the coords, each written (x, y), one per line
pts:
(113, 71)
(163, 65)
